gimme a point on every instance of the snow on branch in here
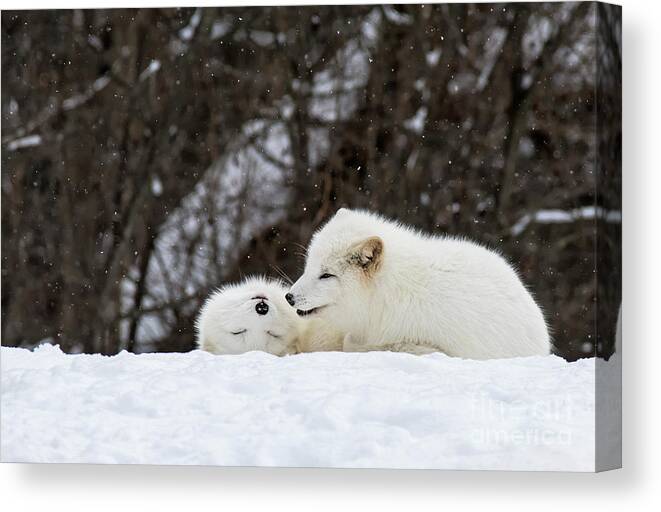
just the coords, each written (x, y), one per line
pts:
(77, 100)
(395, 16)
(24, 142)
(21, 139)
(187, 33)
(565, 217)
(153, 68)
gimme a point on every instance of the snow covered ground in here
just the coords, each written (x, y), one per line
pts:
(374, 409)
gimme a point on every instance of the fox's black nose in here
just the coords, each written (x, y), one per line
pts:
(290, 299)
(262, 308)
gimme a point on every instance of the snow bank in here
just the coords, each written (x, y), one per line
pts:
(374, 409)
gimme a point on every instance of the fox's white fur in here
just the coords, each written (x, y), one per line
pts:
(229, 323)
(393, 288)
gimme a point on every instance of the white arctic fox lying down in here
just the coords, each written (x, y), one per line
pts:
(392, 288)
(253, 315)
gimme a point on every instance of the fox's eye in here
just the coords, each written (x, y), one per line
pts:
(326, 275)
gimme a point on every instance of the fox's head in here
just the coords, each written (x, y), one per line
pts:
(343, 259)
(251, 315)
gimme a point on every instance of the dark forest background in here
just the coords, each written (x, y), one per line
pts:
(151, 155)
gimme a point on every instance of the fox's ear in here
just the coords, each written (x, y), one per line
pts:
(368, 254)
(342, 211)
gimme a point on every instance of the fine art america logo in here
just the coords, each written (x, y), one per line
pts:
(504, 422)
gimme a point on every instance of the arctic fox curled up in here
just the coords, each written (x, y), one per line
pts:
(392, 288)
(253, 315)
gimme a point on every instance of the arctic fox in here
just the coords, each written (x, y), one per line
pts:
(253, 315)
(392, 288)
